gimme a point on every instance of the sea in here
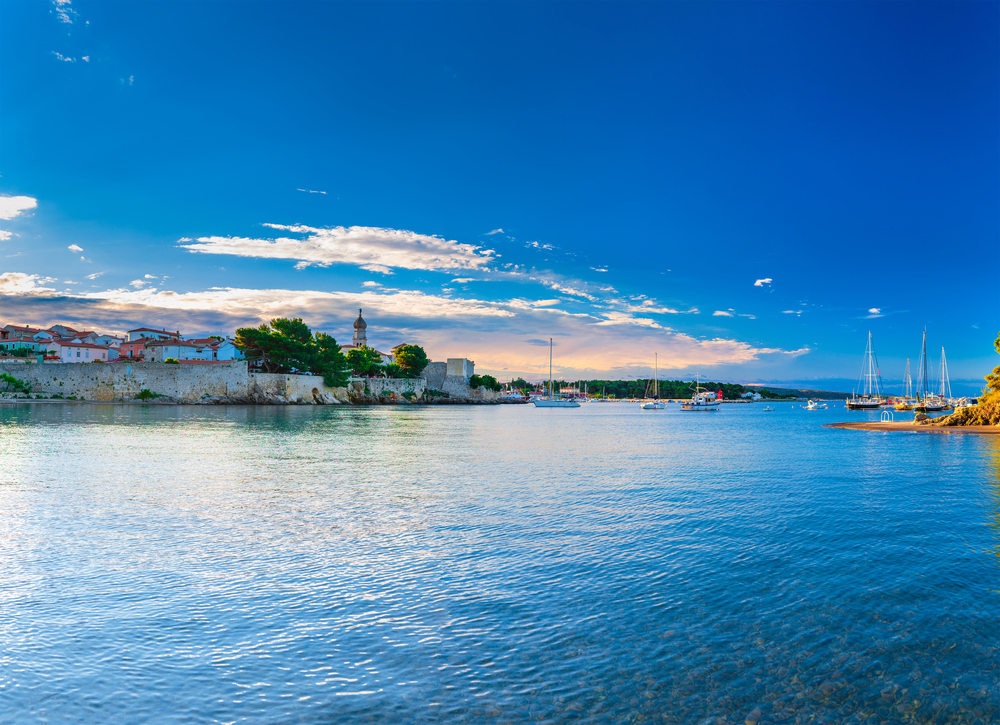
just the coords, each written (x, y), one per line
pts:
(493, 564)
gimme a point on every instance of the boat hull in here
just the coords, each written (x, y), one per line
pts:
(654, 406)
(704, 406)
(556, 404)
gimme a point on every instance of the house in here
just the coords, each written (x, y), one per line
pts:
(61, 331)
(67, 351)
(17, 341)
(134, 349)
(151, 334)
(222, 349)
(111, 340)
(26, 331)
(161, 350)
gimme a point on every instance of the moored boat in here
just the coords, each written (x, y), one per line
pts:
(870, 381)
(553, 400)
(703, 400)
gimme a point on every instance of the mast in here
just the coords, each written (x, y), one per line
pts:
(907, 383)
(945, 382)
(656, 377)
(551, 391)
(923, 371)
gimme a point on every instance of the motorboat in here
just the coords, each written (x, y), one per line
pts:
(703, 400)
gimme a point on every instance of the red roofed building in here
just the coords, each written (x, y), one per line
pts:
(76, 351)
(150, 333)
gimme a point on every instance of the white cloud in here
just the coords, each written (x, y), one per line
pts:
(138, 283)
(74, 248)
(537, 245)
(370, 248)
(63, 58)
(95, 275)
(310, 191)
(131, 80)
(12, 206)
(762, 282)
(64, 12)
(301, 265)
(791, 312)
(86, 59)
(463, 280)
(150, 276)
(17, 283)
(371, 283)
(874, 311)
(600, 269)
(495, 231)
(722, 313)
(4, 235)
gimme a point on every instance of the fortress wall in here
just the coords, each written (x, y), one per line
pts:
(386, 387)
(308, 386)
(123, 381)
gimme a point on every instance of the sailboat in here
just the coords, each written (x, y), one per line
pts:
(945, 391)
(870, 381)
(928, 403)
(906, 403)
(657, 404)
(553, 401)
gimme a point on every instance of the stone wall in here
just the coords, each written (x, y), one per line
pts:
(435, 374)
(123, 381)
(193, 383)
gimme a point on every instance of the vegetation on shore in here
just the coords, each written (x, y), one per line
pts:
(669, 389)
(987, 412)
(289, 346)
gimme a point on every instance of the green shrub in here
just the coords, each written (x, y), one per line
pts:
(10, 384)
(147, 394)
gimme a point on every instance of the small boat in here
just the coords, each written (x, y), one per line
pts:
(870, 381)
(656, 403)
(703, 400)
(767, 409)
(811, 405)
(554, 401)
(929, 402)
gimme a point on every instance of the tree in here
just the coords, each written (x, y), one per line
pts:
(412, 359)
(288, 346)
(485, 381)
(993, 379)
(364, 361)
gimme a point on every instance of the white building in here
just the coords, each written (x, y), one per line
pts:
(76, 351)
(150, 333)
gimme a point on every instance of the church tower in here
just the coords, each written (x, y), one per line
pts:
(360, 331)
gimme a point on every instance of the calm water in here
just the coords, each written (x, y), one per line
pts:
(493, 564)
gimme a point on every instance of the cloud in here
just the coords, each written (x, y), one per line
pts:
(762, 282)
(874, 311)
(541, 343)
(600, 269)
(12, 206)
(64, 12)
(371, 284)
(150, 276)
(791, 312)
(86, 59)
(537, 245)
(138, 283)
(74, 248)
(95, 275)
(370, 248)
(310, 191)
(732, 313)
(4, 235)
(17, 283)
(63, 58)
(495, 231)
(464, 280)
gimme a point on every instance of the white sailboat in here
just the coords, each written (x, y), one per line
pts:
(656, 404)
(870, 382)
(552, 401)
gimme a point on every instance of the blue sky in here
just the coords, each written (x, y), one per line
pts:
(743, 188)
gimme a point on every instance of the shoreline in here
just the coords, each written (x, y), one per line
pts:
(917, 428)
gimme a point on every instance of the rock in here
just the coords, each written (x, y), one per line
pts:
(921, 417)
(295, 399)
(753, 717)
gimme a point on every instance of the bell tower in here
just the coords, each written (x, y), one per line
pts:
(360, 331)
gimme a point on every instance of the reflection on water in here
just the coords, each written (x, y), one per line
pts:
(493, 565)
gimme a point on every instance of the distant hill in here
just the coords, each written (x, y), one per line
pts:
(804, 393)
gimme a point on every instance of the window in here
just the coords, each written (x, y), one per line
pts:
(78, 353)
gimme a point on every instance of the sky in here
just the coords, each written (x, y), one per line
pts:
(740, 191)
